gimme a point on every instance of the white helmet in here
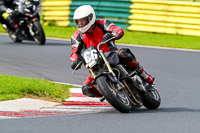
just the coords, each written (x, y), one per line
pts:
(85, 11)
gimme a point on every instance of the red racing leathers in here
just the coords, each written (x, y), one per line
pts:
(81, 41)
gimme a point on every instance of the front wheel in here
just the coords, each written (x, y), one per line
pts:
(39, 35)
(151, 99)
(117, 98)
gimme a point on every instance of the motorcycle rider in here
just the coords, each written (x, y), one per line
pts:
(91, 32)
(5, 9)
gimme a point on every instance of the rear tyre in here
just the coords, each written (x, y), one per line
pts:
(151, 99)
(117, 98)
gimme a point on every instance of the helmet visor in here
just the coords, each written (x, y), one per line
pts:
(80, 23)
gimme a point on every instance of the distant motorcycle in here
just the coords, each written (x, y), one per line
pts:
(120, 86)
(27, 22)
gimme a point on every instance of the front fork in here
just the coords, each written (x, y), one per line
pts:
(30, 26)
(107, 65)
(119, 85)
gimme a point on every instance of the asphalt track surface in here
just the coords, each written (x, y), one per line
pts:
(177, 78)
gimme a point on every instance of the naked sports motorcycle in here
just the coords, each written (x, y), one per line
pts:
(120, 86)
(26, 19)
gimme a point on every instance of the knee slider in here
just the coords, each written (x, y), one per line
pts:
(126, 54)
(87, 90)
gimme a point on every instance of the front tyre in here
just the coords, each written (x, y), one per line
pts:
(117, 98)
(151, 99)
(39, 35)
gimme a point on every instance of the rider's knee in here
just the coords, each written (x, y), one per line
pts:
(126, 54)
(87, 90)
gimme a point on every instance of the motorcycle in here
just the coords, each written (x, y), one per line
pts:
(120, 86)
(26, 19)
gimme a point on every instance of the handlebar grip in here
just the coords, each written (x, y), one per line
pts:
(77, 66)
(103, 42)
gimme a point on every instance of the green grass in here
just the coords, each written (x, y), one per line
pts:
(133, 37)
(12, 87)
(59, 32)
(162, 40)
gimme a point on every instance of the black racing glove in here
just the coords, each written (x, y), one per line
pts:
(74, 64)
(107, 36)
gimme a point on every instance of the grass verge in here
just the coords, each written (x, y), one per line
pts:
(134, 37)
(12, 87)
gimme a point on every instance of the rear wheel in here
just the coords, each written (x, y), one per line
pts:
(151, 99)
(117, 98)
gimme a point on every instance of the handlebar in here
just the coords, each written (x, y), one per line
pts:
(78, 65)
(103, 42)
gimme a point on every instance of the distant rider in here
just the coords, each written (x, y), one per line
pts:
(6, 7)
(91, 32)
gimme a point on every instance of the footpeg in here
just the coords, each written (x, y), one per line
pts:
(4, 26)
(102, 99)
